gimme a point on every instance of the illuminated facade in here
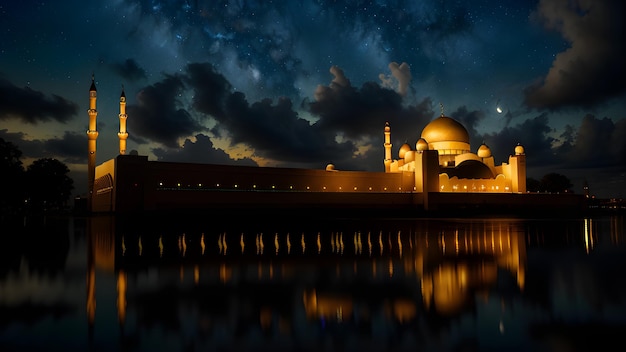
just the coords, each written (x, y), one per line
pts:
(442, 162)
(440, 173)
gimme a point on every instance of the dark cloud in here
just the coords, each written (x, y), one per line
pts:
(210, 88)
(159, 114)
(129, 70)
(32, 107)
(70, 148)
(358, 113)
(200, 151)
(591, 70)
(275, 131)
(598, 143)
(533, 134)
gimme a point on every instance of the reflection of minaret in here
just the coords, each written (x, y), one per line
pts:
(101, 257)
(122, 134)
(91, 283)
(387, 160)
(121, 297)
(92, 135)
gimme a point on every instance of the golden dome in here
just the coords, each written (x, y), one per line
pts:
(519, 150)
(421, 144)
(483, 151)
(403, 149)
(445, 129)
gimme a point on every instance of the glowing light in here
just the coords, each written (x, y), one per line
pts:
(499, 110)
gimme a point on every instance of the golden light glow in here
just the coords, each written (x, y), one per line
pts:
(161, 246)
(121, 296)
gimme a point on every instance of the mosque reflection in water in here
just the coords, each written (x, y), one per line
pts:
(383, 286)
(296, 282)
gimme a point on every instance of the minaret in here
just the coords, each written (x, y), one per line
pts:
(122, 134)
(387, 160)
(92, 135)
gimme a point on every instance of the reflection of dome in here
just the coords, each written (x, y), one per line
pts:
(484, 151)
(445, 129)
(421, 144)
(519, 150)
(403, 149)
(470, 169)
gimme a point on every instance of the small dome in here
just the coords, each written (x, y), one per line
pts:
(421, 144)
(330, 167)
(387, 128)
(483, 151)
(519, 150)
(409, 156)
(403, 149)
(445, 129)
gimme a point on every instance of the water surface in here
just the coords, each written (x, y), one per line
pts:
(212, 284)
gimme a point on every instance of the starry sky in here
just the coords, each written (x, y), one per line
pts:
(305, 83)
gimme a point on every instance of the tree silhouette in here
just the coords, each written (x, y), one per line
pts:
(533, 185)
(12, 171)
(556, 183)
(49, 186)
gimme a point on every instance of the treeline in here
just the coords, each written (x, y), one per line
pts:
(550, 183)
(43, 186)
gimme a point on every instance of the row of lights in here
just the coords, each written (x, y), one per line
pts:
(455, 188)
(254, 187)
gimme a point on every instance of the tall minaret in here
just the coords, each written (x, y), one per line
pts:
(92, 135)
(122, 134)
(387, 160)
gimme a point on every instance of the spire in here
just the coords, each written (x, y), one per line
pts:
(123, 95)
(93, 83)
(441, 106)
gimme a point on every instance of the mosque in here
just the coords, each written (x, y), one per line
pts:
(441, 172)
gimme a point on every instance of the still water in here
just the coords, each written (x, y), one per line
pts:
(213, 284)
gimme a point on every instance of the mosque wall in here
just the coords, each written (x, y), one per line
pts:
(143, 185)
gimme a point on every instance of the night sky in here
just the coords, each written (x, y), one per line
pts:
(305, 83)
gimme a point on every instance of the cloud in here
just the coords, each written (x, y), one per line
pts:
(129, 69)
(359, 113)
(274, 130)
(533, 134)
(402, 75)
(70, 148)
(200, 151)
(598, 143)
(32, 107)
(210, 88)
(591, 70)
(159, 114)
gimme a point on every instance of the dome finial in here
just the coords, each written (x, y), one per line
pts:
(441, 106)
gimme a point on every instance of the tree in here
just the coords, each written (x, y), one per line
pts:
(12, 171)
(533, 185)
(50, 187)
(556, 183)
